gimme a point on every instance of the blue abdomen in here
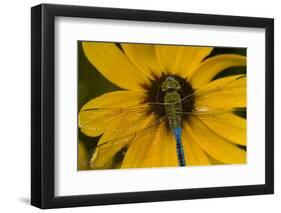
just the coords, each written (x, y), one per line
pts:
(180, 152)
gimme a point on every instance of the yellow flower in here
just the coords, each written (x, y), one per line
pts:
(83, 156)
(128, 121)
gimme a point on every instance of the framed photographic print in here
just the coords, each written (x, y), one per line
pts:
(139, 106)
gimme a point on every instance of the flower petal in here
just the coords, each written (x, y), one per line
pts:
(163, 151)
(156, 149)
(217, 147)
(214, 161)
(143, 56)
(166, 55)
(189, 58)
(95, 122)
(112, 142)
(103, 156)
(223, 93)
(194, 155)
(227, 125)
(214, 65)
(112, 63)
(82, 157)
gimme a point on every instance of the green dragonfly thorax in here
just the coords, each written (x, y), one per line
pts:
(172, 101)
(170, 84)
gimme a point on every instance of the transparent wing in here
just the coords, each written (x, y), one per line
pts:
(157, 143)
(225, 123)
(204, 112)
(95, 121)
(231, 87)
(108, 148)
(229, 124)
(221, 99)
(156, 149)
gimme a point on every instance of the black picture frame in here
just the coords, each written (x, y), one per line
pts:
(43, 102)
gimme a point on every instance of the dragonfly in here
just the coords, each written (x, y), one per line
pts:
(173, 117)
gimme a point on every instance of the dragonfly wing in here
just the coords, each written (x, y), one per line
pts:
(224, 123)
(229, 126)
(194, 155)
(216, 146)
(215, 104)
(227, 92)
(95, 121)
(157, 149)
(109, 145)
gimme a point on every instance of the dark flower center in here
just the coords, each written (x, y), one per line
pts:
(155, 94)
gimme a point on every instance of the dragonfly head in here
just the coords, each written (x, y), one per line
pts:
(170, 84)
